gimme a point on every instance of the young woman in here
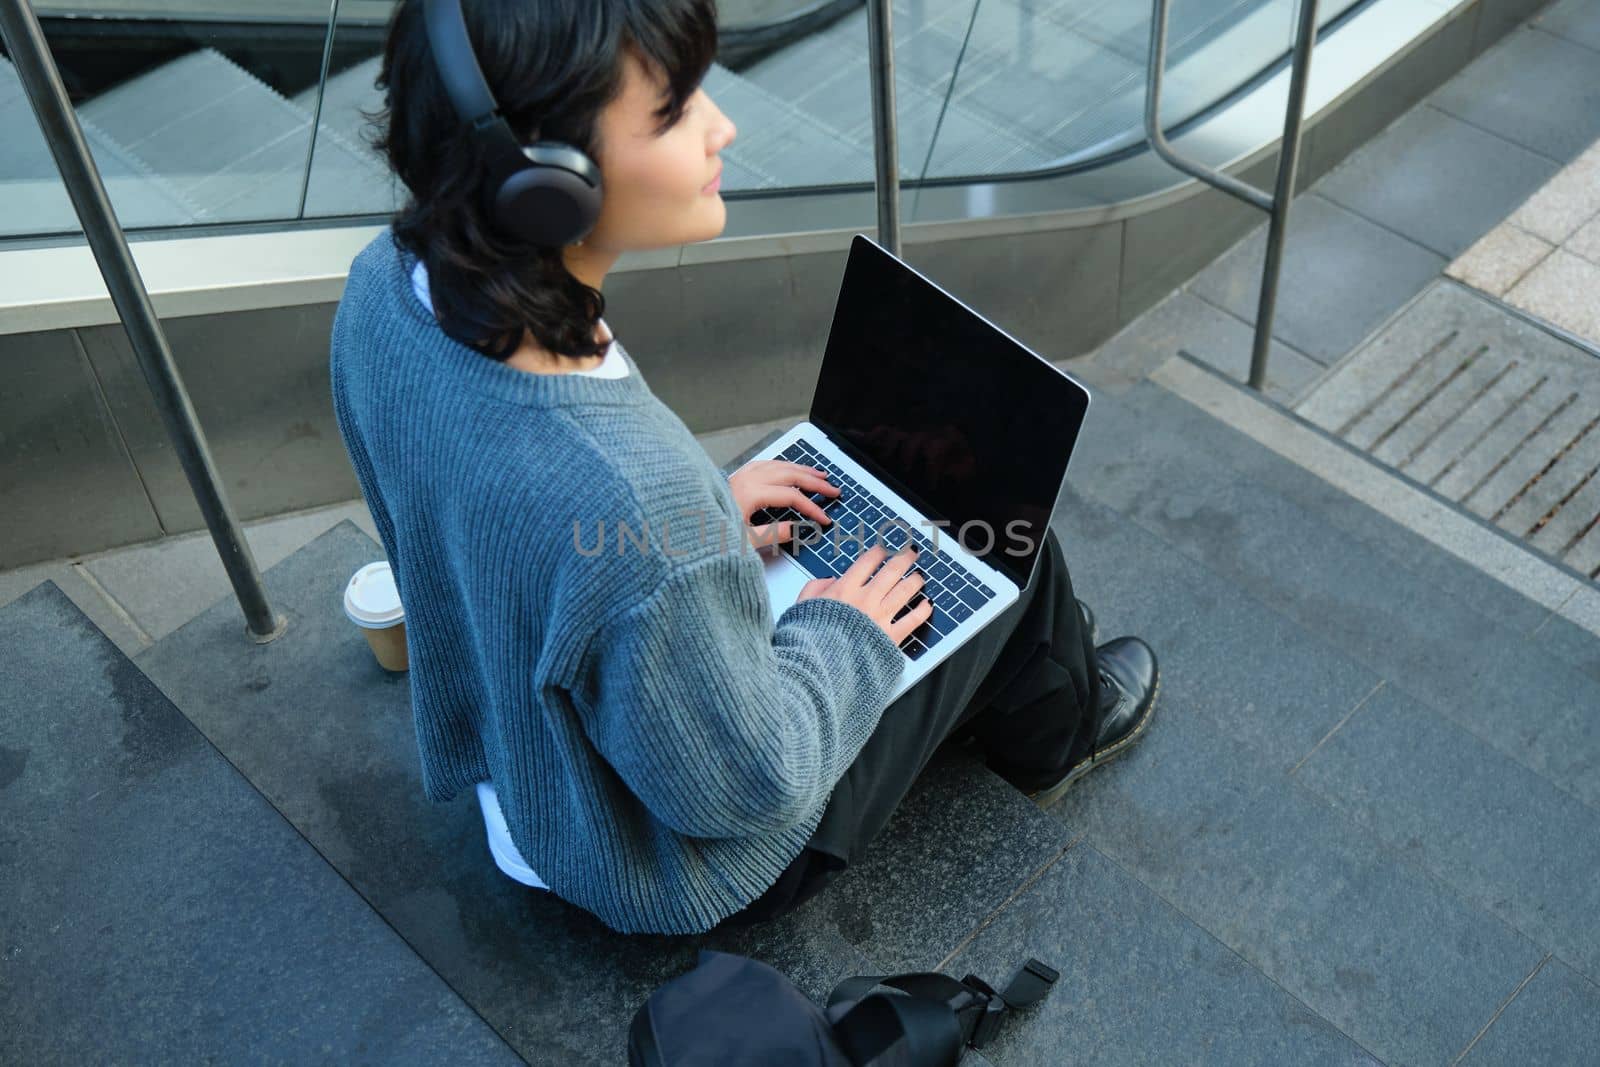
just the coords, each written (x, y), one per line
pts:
(664, 755)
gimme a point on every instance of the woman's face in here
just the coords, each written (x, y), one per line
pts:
(660, 187)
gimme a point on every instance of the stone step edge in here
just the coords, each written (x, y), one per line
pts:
(1482, 546)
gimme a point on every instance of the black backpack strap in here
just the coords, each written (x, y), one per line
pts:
(972, 1003)
(890, 1030)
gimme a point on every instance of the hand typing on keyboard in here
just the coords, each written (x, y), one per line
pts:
(879, 586)
(859, 520)
(776, 483)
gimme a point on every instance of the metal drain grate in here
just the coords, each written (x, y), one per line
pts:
(1484, 408)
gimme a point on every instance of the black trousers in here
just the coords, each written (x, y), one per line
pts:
(1024, 688)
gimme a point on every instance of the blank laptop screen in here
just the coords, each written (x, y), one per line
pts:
(956, 416)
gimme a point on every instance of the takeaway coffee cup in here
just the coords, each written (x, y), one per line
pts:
(373, 603)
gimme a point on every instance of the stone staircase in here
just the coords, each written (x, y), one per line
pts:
(1361, 828)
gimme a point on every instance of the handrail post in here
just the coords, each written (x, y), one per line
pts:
(885, 137)
(1277, 205)
(1283, 193)
(30, 54)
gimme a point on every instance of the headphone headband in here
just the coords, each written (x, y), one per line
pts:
(457, 63)
(547, 193)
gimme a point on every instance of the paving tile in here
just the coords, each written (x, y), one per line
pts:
(1221, 447)
(69, 579)
(1499, 259)
(1586, 242)
(1533, 89)
(1554, 1020)
(1423, 631)
(1470, 469)
(1469, 380)
(164, 584)
(1570, 642)
(1561, 290)
(1342, 276)
(1388, 94)
(1438, 180)
(1225, 658)
(1507, 840)
(1210, 334)
(157, 908)
(1498, 18)
(1584, 556)
(1564, 203)
(1393, 409)
(1139, 982)
(328, 737)
(1563, 531)
(1512, 388)
(1442, 328)
(1548, 497)
(1354, 931)
(1522, 466)
(1576, 20)
(961, 843)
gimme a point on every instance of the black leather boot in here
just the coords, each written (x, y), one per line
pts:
(1129, 681)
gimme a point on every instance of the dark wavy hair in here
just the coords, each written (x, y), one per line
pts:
(551, 64)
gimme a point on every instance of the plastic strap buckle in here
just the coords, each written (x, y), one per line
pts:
(1031, 984)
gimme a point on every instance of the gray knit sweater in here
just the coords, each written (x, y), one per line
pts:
(660, 749)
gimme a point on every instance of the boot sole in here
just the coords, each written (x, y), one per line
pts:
(1046, 797)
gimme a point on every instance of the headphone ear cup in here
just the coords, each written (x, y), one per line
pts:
(552, 201)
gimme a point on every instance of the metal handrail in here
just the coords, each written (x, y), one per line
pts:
(316, 114)
(1276, 205)
(30, 54)
(885, 135)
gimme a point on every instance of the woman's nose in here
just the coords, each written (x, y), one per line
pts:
(726, 130)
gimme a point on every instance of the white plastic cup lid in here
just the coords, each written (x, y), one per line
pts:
(371, 599)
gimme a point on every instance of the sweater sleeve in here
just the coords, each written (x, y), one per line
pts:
(722, 724)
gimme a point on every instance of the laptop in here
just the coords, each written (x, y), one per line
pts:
(940, 429)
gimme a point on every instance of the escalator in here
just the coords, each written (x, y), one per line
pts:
(222, 133)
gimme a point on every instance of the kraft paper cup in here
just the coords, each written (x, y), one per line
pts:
(373, 603)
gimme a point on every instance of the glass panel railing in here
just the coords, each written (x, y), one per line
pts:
(202, 111)
(185, 107)
(348, 176)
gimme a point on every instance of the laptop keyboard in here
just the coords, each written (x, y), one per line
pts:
(956, 593)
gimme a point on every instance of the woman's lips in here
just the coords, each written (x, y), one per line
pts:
(715, 183)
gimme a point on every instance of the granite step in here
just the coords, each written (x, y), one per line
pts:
(1463, 643)
(328, 737)
(1404, 875)
(157, 908)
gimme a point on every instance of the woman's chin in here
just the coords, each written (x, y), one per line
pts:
(714, 227)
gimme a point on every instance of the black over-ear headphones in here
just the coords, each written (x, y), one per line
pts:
(547, 193)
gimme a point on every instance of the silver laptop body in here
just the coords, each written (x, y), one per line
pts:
(932, 421)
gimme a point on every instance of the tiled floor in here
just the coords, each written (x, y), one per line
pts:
(1545, 258)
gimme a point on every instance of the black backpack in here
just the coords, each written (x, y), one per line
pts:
(734, 1010)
